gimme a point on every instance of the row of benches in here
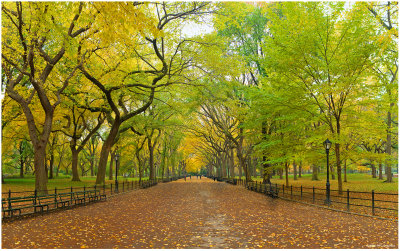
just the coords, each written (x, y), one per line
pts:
(268, 189)
(46, 202)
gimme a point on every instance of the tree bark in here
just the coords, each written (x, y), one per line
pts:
(339, 168)
(51, 165)
(151, 159)
(21, 160)
(266, 172)
(240, 171)
(110, 171)
(345, 170)
(380, 171)
(300, 166)
(105, 151)
(40, 171)
(314, 172)
(294, 171)
(287, 173)
(74, 167)
(232, 163)
(373, 170)
(389, 145)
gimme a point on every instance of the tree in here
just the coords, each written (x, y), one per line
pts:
(80, 127)
(151, 61)
(322, 52)
(386, 69)
(39, 43)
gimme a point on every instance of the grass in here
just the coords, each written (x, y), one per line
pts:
(355, 182)
(28, 183)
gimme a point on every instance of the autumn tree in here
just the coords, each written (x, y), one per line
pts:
(151, 59)
(39, 52)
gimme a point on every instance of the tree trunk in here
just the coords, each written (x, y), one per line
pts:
(373, 170)
(82, 168)
(240, 170)
(21, 167)
(345, 170)
(74, 167)
(105, 150)
(92, 166)
(151, 159)
(51, 166)
(40, 171)
(294, 171)
(389, 146)
(332, 171)
(232, 163)
(224, 165)
(300, 166)
(287, 173)
(314, 172)
(110, 171)
(339, 168)
(281, 174)
(266, 173)
(380, 171)
(242, 162)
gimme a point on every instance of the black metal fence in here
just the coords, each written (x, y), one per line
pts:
(16, 203)
(368, 203)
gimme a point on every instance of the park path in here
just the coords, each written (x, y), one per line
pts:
(198, 214)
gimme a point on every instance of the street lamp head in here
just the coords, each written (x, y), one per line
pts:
(117, 157)
(327, 144)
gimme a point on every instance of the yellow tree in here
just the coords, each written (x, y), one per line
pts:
(39, 51)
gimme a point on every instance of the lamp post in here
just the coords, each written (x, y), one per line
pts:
(327, 145)
(116, 171)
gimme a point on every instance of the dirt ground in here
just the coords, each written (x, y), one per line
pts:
(198, 214)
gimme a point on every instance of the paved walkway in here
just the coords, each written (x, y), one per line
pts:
(198, 214)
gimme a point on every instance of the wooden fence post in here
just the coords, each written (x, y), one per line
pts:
(348, 200)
